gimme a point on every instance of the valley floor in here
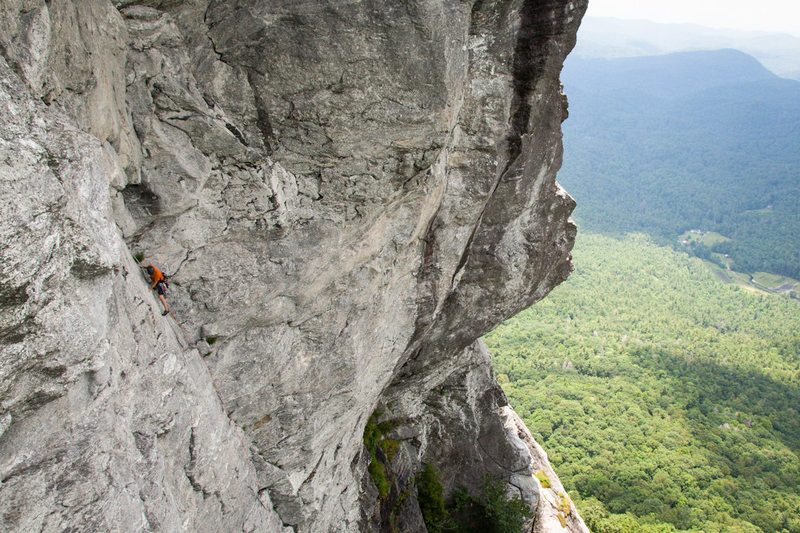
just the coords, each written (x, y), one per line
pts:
(667, 400)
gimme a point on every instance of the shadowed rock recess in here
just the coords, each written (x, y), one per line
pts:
(346, 196)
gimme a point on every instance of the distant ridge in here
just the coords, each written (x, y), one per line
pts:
(692, 140)
(666, 76)
(613, 38)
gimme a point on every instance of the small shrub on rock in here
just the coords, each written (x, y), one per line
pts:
(431, 502)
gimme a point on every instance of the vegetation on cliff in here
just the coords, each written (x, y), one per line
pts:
(488, 510)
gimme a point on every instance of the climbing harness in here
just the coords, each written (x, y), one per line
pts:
(193, 344)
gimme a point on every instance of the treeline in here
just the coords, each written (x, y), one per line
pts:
(666, 400)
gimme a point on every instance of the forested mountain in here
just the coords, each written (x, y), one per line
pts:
(612, 37)
(705, 140)
(666, 400)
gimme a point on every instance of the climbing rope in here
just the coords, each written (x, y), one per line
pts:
(193, 344)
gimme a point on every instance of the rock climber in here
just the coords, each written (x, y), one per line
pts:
(160, 284)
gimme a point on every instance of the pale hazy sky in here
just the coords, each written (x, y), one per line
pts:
(766, 15)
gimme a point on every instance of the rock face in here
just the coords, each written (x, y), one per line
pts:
(346, 196)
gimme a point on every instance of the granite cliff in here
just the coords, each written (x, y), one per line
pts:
(346, 196)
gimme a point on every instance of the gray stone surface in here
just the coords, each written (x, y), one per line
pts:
(345, 195)
(555, 511)
(110, 424)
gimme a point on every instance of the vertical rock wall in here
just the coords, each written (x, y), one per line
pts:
(345, 195)
(108, 423)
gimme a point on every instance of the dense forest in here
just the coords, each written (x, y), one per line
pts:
(696, 140)
(667, 401)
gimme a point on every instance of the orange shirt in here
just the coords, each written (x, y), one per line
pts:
(156, 276)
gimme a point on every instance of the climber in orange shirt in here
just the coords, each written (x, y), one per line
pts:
(160, 284)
